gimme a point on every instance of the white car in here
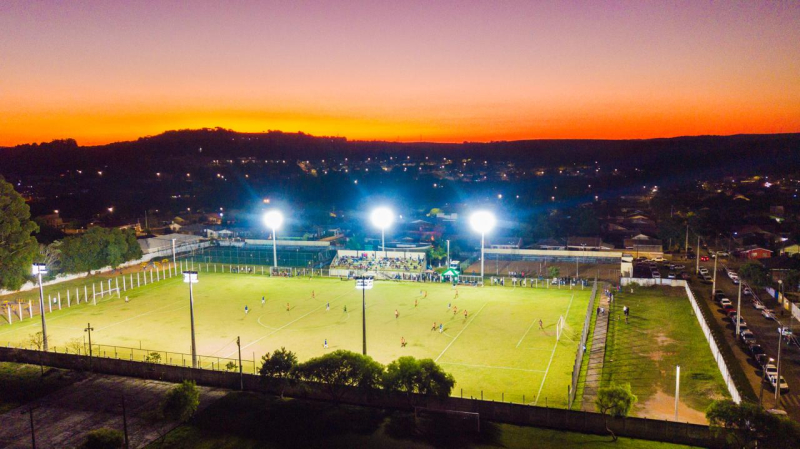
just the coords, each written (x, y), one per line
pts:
(747, 291)
(785, 331)
(672, 275)
(656, 274)
(725, 302)
(771, 369)
(776, 383)
(767, 313)
(679, 267)
(703, 270)
(759, 306)
(659, 259)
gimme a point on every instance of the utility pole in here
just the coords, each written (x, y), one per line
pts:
(714, 287)
(125, 422)
(697, 256)
(778, 374)
(448, 253)
(241, 376)
(677, 389)
(739, 311)
(686, 244)
(89, 329)
(33, 430)
(364, 320)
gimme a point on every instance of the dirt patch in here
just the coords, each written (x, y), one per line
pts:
(662, 406)
(663, 340)
(656, 355)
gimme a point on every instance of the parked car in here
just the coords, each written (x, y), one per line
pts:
(672, 275)
(659, 259)
(725, 302)
(728, 308)
(703, 270)
(684, 275)
(770, 369)
(656, 274)
(785, 331)
(735, 281)
(767, 313)
(732, 315)
(758, 305)
(763, 360)
(747, 337)
(746, 291)
(723, 253)
(755, 350)
(778, 382)
(703, 258)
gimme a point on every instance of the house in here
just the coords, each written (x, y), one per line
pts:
(507, 243)
(587, 243)
(779, 267)
(790, 250)
(550, 244)
(754, 252)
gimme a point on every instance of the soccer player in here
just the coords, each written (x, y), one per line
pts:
(396, 314)
(441, 328)
(415, 303)
(287, 306)
(313, 295)
(456, 297)
(246, 310)
(262, 301)
(465, 314)
(434, 326)
(328, 306)
(449, 305)
(325, 345)
(402, 342)
(426, 294)
(455, 310)
(541, 325)
(345, 308)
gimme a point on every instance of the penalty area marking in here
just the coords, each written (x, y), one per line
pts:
(555, 346)
(459, 333)
(494, 367)
(262, 324)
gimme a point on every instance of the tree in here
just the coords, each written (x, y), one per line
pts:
(279, 368)
(792, 280)
(341, 369)
(748, 425)
(554, 271)
(437, 251)
(755, 273)
(409, 375)
(104, 439)
(97, 248)
(18, 246)
(615, 400)
(50, 255)
(181, 403)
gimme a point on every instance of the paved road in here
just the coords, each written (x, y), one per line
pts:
(767, 336)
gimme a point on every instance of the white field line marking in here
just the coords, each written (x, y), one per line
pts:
(536, 349)
(526, 333)
(494, 367)
(534, 321)
(280, 328)
(262, 324)
(459, 333)
(555, 346)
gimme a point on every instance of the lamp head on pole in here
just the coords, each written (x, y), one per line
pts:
(273, 219)
(382, 217)
(38, 268)
(482, 221)
(190, 277)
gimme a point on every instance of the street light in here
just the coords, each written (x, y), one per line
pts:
(190, 277)
(274, 219)
(483, 222)
(382, 218)
(364, 283)
(38, 270)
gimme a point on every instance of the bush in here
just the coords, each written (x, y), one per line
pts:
(181, 402)
(104, 439)
(341, 369)
(279, 368)
(409, 375)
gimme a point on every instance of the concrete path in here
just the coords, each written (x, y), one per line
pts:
(594, 373)
(63, 418)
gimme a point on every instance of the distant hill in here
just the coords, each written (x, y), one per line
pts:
(678, 155)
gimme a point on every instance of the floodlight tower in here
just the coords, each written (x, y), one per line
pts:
(382, 218)
(38, 270)
(483, 222)
(190, 277)
(274, 219)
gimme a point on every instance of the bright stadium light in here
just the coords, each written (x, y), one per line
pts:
(274, 219)
(382, 218)
(483, 222)
(38, 269)
(190, 277)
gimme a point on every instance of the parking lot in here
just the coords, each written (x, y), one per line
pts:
(765, 331)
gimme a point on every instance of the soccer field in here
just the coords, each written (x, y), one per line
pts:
(498, 350)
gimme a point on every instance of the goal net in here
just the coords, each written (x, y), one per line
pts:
(463, 421)
(560, 327)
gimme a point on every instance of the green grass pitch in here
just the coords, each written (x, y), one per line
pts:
(498, 349)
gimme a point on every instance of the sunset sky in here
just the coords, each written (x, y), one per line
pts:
(102, 71)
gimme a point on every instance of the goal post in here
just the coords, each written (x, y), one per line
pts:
(560, 327)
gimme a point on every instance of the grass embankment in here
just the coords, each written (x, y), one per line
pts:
(662, 333)
(249, 420)
(20, 384)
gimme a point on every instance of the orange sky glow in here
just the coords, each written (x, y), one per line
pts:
(104, 71)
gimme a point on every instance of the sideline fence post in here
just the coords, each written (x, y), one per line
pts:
(85, 294)
(59, 300)
(30, 309)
